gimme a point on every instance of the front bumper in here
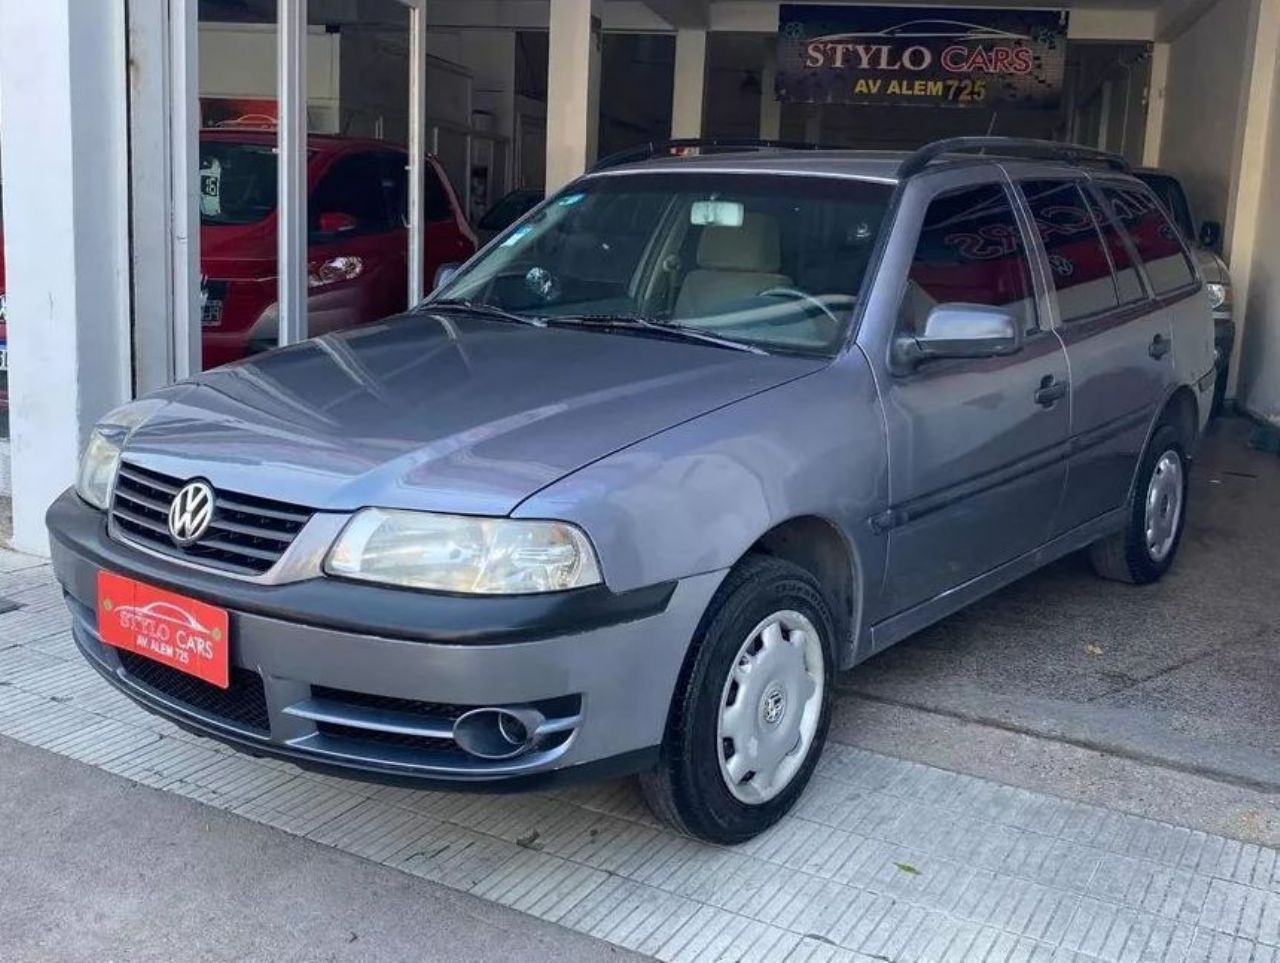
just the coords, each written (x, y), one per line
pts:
(309, 686)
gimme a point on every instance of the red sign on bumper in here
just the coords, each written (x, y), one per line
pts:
(171, 629)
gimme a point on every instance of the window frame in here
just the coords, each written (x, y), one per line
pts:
(1081, 184)
(1133, 184)
(1098, 208)
(1037, 325)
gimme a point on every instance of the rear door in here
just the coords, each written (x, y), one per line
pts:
(1117, 337)
(976, 445)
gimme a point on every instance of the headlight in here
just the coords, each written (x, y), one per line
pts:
(98, 467)
(97, 475)
(1219, 295)
(343, 268)
(464, 554)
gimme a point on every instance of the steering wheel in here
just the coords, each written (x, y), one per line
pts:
(800, 296)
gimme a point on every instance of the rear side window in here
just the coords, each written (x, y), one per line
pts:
(1128, 282)
(1154, 237)
(970, 250)
(1078, 262)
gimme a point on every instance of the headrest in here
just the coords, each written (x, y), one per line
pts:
(755, 246)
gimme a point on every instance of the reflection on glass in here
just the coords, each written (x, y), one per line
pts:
(774, 262)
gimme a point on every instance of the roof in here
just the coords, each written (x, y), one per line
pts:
(866, 164)
(775, 157)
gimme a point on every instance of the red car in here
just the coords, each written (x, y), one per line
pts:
(358, 248)
(357, 211)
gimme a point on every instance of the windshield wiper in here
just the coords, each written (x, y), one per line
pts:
(666, 328)
(480, 307)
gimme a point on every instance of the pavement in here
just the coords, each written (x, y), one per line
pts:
(1182, 675)
(1072, 771)
(97, 867)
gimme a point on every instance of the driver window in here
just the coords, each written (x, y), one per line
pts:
(970, 250)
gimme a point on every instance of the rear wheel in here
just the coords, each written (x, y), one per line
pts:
(751, 712)
(1144, 551)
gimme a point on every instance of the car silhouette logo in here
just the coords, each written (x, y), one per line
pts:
(167, 612)
(926, 29)
(191, 513)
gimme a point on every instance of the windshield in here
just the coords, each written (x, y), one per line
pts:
(237, 182)
(509, 210)
(1171, 195)
(775, 261)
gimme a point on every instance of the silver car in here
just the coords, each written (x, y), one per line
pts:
(626, 493)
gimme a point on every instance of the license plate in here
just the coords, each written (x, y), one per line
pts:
(165, 627)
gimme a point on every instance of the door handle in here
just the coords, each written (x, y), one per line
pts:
(1159, 347)
(1050, 392)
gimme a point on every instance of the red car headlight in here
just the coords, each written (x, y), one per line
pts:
(332, 271)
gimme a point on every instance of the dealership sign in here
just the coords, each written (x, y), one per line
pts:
(936, 56)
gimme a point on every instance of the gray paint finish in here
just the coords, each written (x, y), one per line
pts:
(941, 483)
(439, 412)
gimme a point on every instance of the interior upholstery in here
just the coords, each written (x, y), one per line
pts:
(733, 263)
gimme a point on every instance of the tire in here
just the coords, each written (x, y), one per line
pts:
(1130, 556)
(690, 787)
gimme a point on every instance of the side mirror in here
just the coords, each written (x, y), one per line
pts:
(1210, 235)
(335, 222)
(962, 331)
(444, 274)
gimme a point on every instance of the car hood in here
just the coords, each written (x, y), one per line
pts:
(445, 412)
(237, 250)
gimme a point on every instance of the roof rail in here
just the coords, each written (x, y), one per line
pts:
(689, 145)
(1009, 147)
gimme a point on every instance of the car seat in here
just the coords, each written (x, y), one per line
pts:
(733, 263)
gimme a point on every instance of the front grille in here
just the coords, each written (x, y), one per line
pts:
(434, 712)
(367, 700)
(243, 703)
(247, 535)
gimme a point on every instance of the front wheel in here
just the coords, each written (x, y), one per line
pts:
(1143, 552)
(750, 715)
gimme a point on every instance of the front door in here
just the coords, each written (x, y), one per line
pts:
(358, 269)
(976, 445)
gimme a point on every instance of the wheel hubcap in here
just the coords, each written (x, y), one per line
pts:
(1164, 506)
(770, 706)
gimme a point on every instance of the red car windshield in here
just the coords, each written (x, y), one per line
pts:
(237, 182)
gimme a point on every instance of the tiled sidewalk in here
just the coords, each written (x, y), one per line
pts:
(883, 860)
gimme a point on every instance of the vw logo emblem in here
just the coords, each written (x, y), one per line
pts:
(190, 513)
(773, 706)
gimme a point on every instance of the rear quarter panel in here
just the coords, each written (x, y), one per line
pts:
(1193, 352)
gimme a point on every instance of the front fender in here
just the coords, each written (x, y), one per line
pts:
(694, 498)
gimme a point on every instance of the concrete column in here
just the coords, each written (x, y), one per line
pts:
(770, 108)
(689, 89)
(1255, 367)
(63, 132)
(1156, 104)
(573, 89)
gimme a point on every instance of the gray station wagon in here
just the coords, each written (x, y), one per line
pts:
(630, 487)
